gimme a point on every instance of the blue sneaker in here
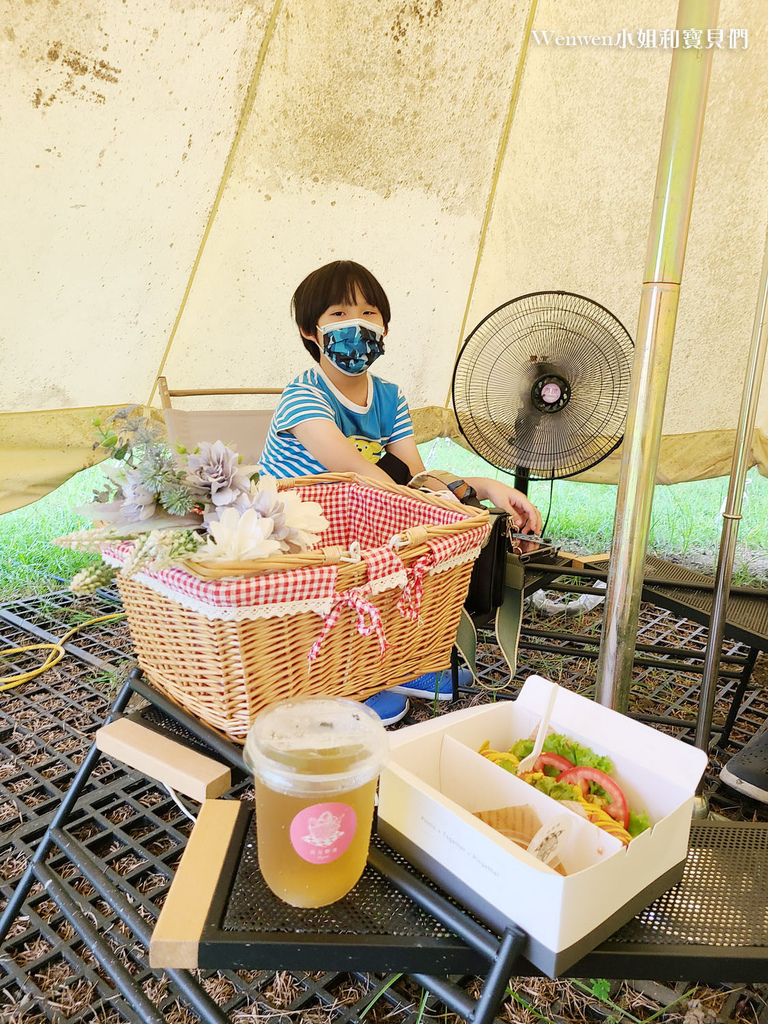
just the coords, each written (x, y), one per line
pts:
(434, 685)
(389, 706)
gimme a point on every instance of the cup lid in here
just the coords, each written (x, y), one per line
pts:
(309, 743)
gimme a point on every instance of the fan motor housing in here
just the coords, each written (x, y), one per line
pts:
(551, 393)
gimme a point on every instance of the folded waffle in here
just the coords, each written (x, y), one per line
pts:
(518, 824)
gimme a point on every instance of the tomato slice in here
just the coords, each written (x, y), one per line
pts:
(582, 775)
(553, 761)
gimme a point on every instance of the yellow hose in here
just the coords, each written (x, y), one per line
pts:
(57, 652)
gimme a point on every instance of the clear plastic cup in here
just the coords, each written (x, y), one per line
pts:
(315, 763)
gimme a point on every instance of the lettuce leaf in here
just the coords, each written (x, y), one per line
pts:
(638, 823)
(574, 752)
(557, 790)
(557, 743)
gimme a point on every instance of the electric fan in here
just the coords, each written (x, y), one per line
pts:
(541, 386)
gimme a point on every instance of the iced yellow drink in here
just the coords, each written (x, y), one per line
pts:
(316, 763)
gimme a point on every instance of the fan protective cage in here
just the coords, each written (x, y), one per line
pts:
(542, 383)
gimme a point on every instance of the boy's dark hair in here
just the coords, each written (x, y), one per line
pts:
(331, 285)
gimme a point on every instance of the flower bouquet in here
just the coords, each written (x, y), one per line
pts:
(179, 507)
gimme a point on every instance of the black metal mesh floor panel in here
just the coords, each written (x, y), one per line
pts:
(137, 833)
(748, 614)
(50, 616)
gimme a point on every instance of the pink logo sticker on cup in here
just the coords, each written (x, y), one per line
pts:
(322, 832)
(551, 393)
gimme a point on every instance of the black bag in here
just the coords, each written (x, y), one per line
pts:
(395, 468)
(486, 585)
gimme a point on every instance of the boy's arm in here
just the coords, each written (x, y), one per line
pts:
(524, 513)
(406, 450)
(324, 440)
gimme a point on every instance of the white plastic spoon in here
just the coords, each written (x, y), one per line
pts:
(528, 762)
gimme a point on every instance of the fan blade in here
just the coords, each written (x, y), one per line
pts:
(501, 371)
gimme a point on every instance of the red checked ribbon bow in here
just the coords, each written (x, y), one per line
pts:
(409, 604)
(353, 599)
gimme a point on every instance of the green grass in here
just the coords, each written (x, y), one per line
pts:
(29, 561)
(686, 524)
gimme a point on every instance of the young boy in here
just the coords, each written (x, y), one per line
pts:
(338, 417)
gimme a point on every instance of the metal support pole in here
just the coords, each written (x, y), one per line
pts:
(670, 217)
(736, 699)
(522, 478)
(732, 513)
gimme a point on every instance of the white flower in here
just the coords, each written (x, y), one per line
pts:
(304, 520)
(238, 538)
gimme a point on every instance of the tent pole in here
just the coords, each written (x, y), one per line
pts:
(732, 513)
(668, 235)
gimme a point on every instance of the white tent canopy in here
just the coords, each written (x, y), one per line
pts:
(172, 174)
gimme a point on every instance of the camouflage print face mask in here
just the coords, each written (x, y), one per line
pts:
(353, 345)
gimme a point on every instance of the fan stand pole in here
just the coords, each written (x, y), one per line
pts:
(668, 234)
(522, 479)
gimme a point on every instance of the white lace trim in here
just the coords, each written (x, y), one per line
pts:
(396, 579)
(465, 556)
(320, 606)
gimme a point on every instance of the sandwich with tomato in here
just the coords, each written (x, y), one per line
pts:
(568, 771)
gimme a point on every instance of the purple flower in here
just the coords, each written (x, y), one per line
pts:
(213, 513)
(215, 469)
(139, 500)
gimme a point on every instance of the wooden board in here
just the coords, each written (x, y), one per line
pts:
(165, 759)
(176, 938)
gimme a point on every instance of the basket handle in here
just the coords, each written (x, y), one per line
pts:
(332, 555)
(411, 538)
(390, 487)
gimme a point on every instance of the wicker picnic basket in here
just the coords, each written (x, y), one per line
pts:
(377, 605)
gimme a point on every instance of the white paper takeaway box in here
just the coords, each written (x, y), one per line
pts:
(435, 780)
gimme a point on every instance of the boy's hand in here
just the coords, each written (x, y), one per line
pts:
(525, 516)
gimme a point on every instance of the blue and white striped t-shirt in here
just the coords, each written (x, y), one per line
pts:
(311, 396)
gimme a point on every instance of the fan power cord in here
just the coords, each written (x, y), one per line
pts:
(549, 505)
(56, 650)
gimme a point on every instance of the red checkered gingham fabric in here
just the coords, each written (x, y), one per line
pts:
(372, 517)
(381, 562)
(441, 550)
(356, 514)
(368, 621)
(313, 584)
